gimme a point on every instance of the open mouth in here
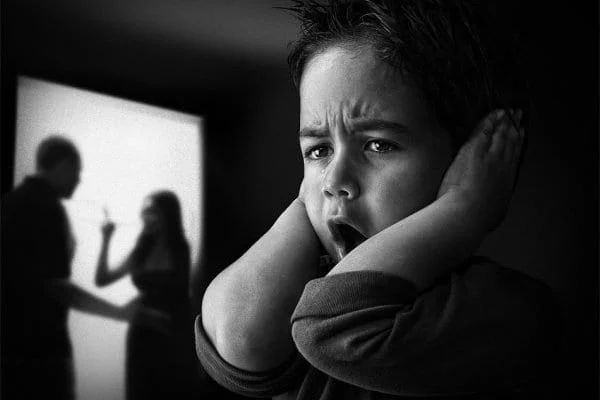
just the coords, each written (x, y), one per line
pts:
(346, 238)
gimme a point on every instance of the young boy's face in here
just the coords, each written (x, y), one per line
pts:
(373, 152)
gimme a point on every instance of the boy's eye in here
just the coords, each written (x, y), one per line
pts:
(318, 152)
(380, 146)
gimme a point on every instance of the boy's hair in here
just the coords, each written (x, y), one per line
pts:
(450, 49)
(54, 149)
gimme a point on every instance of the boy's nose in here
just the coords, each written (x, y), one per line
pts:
(340, 180)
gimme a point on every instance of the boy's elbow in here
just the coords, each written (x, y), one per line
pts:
(243, 344)
(238, 333)
(245, 350)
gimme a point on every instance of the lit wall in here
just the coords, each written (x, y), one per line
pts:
(128, 150)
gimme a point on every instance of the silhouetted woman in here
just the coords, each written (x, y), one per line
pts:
(158, 364)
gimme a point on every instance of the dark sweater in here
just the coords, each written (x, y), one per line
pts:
(482, 332)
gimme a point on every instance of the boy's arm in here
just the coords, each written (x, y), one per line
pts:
(421, 247)
(472, 201)
(480, 328)
(246, 309)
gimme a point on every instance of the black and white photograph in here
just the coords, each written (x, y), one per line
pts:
(299, 199)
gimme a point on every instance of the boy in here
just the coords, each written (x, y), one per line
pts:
(398, 194)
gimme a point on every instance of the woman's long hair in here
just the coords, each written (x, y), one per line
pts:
(168, 205)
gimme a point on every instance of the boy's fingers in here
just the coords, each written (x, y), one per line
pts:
(480, 144)
(487, 123)
(513, 142)
(519, 117)
(512, 160)
(514, 117)
(519, 150)
(499, 140)
(482, 135)
(486, 126)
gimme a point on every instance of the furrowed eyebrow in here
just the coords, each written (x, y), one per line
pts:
(313, 133)
(358, 127)
(377, 124)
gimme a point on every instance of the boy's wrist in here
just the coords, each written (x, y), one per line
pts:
(468, 209)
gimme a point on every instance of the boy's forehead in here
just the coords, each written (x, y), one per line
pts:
(359, 86)
(357, 63)
(354, 110)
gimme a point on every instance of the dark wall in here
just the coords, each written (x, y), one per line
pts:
(253, 169)
(551, 231)
(253, 166)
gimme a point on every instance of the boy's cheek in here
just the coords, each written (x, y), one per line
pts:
(311, 195)
(314, 212)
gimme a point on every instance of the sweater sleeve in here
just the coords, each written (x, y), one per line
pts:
(479, 328)
(252, 384)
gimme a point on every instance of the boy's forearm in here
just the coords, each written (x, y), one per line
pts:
(246, 310)
(421, 247)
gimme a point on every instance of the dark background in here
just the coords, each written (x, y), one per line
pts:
(225, 60)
